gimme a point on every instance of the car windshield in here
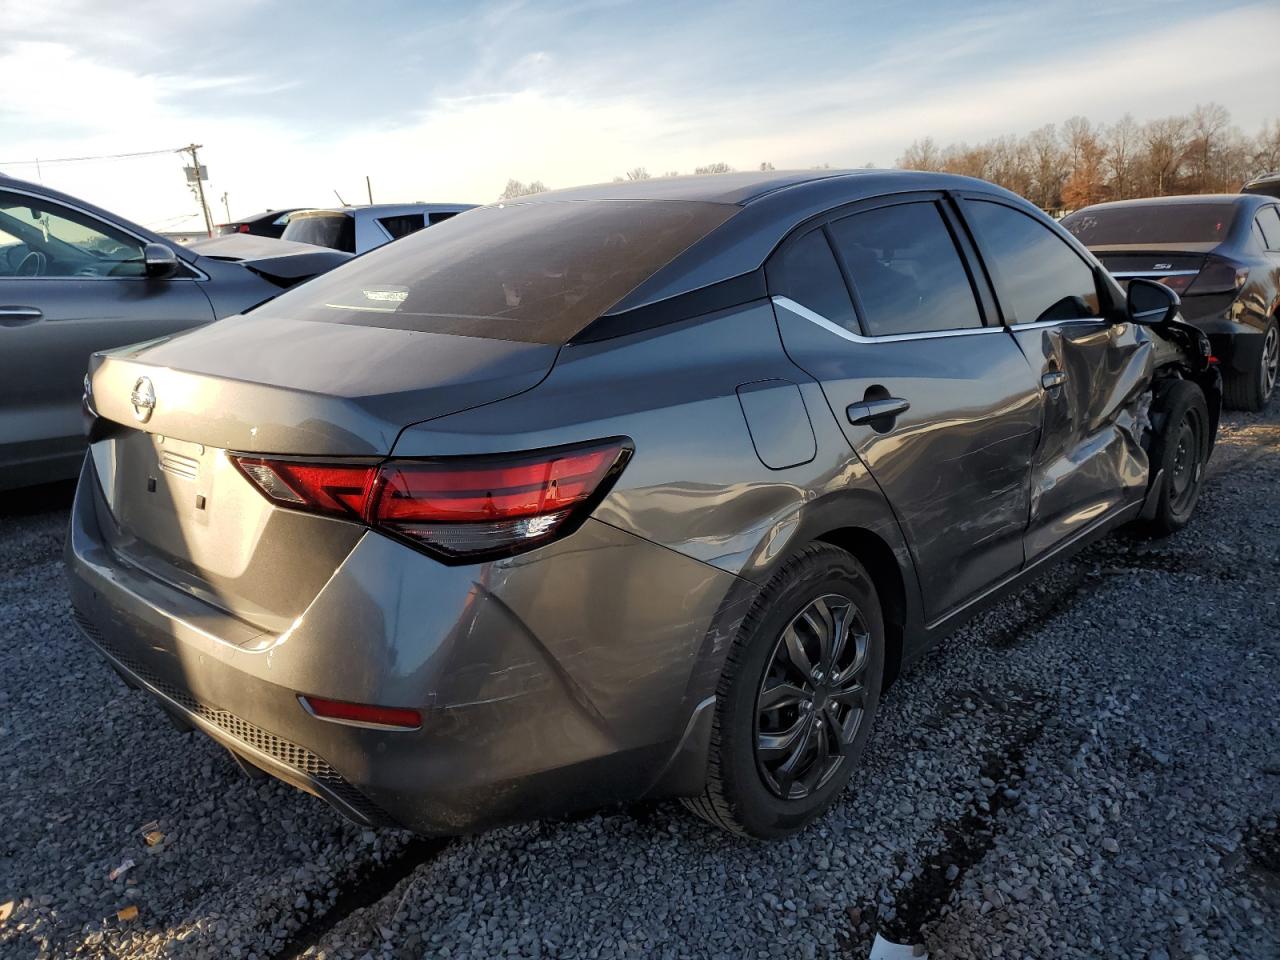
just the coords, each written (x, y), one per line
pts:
(536, 272)
(1152, 223)
(336, 230)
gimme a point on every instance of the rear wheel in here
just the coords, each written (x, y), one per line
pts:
(1181, 450)
(1252, 389)
(796, 699)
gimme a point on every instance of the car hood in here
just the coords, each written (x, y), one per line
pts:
(307, 387)
(282, 261)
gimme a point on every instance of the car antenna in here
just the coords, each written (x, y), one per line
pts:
(339, 196)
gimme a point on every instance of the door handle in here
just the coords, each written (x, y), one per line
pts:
(883, 409)
(11, 316)
(1053, 379)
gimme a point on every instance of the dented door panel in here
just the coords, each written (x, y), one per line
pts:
(1094, 378)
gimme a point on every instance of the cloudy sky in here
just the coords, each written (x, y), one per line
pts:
(446, 101)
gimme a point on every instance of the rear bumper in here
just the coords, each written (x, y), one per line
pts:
(1236, 337)
(561, 680)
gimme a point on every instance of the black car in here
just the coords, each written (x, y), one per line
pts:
(269, 223)
(75, 279)
(1221, 253)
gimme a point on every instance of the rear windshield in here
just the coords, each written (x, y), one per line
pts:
(534, 272)
(1157, 223)
(336, 230)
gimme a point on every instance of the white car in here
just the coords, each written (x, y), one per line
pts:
(357, 229)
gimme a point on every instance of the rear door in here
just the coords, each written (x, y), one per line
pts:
(1092, 373)
(70, 284)
(881, 306)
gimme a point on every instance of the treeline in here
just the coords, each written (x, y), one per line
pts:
(1083, 163)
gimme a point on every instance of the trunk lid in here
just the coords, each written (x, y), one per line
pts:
(181, 511)
(308, 388)
(283, 262)
(1153, 260)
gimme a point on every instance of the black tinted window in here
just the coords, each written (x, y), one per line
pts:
(402, 226)
(1152, 223)
(1041, 278)
(1268, 221)
(336, 230)
(806, 272)
(906, 270)
(434, 218)
(536, 272)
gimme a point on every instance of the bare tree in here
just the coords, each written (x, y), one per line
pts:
(714, 168)
(921, 155)
(766, 166)
(1121, 142)
(637, 173)
(516, 188)
(1166, 147)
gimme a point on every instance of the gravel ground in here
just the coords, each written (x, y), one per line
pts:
(1090, 769)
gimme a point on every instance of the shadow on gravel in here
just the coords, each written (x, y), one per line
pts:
(29, 501)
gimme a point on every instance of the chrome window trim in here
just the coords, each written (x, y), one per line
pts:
(816, 318)
(1126, 274)
(1041, 324)
(115, 226)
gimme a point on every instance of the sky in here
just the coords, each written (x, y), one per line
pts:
(294, 101)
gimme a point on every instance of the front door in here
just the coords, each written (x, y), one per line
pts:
(940, 406)
(1093, 373)
(70, 285)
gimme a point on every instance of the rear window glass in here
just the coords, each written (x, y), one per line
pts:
(336, 230)
(403, 225)
(533, 272)
(1157, 223)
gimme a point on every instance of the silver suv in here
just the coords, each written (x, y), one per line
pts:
(357, 229)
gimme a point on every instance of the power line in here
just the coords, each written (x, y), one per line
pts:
(109, 156)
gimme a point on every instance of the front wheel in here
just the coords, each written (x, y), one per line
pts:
(1180, 449)
(795, 703)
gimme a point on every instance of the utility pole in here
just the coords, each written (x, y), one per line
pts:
(226, 206)
(191, 148)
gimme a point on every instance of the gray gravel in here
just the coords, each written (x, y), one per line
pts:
(1090, 769)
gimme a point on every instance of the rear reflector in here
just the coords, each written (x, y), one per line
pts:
(400, 718)
(454, 507)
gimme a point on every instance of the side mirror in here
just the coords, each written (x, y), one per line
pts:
(1151, 303)
(159, 261)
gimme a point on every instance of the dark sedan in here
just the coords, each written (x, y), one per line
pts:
(75, 279)
(269, 223)
(1221, 253)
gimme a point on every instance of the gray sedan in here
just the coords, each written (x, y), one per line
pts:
(75, 279)
(645, 489)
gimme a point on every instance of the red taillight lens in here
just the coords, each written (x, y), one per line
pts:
(1177, 284)
(1219, 276)
(456, 507)
(363, 713)
(243, 228)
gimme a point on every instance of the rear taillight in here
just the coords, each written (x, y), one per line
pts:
(1178, 284)
(1218, 276)
(458, 508)
(243, 228)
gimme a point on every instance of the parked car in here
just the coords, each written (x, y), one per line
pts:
(358, 229)
(269, 223)
(1268, 185)
(643, 489)
(1221, 253)
(75, 279)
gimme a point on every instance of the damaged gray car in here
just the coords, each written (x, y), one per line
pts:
(638, 490)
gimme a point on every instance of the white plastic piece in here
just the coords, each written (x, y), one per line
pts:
(883, 949)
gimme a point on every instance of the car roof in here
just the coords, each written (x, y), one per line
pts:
(374, 209)
(1189, 198)
(265, 213)
(743, 188)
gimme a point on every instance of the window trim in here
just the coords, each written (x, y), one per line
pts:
(963, 198)
(966, 250)
(184, 264)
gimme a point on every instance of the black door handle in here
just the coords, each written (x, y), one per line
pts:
(884, 410)
(11, 316)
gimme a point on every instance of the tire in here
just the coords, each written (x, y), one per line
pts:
(755, 793)
(1180, 447)
(1251, 390)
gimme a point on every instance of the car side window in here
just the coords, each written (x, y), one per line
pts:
(43, 239)
(1039, 277)
(906, 271)
(1268, 221)
(805, 270)
(440, 216)
(402, 225)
